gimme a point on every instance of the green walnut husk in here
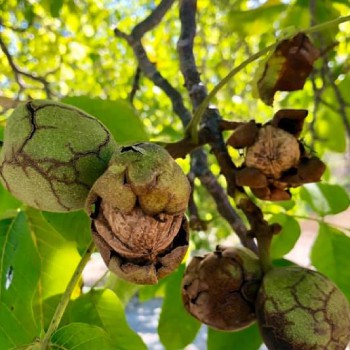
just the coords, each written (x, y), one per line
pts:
(52, 155)
(137, 208)
(219, 289)
(300, 309)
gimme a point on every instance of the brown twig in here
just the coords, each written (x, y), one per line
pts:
(229, 125)
(261, 230)
(196, 223)
(135, 85)
(199, 166)
(212, 121)
(14, 29)
(146, 66)
(18, 73)
(151, 21)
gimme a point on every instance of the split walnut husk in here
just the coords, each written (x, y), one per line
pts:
(219, 288)
(275, 158)
(137, 208)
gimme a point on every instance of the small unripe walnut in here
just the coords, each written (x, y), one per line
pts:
(219, 289)
(137, 208)
(300, 309)
(52, 155)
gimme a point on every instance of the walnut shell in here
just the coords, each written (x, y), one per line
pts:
(219, 288)
(273, 152)
(138, 247)
(137, 208)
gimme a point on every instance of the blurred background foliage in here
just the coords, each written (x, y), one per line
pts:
(66, 50)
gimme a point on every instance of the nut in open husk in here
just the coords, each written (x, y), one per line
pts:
(298, 308)
(275, 159)
(219, 288)
(137, 208)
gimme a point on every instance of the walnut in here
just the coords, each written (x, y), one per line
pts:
(273, 152)
(275, 159)
(52, 155)
(298, 308)
(137, 208)
(219, 289)
(138, 247)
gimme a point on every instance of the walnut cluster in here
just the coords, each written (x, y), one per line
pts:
(275, 159)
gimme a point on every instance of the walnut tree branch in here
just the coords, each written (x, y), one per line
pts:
(152, 20)
(198, 157)
(212, 121)
(19, 72)
(147, 67)
(135, 85)
(199, 166)
(197, 91)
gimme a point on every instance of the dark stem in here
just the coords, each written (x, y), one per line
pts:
(18, 72)
(211, 124)
(135, 85)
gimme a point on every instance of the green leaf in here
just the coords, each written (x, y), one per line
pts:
(123, 289)
(59, 256)
(20, 271)
(284, 241)
(149, 292)
(283, 71)
(28, 12)
(256, 21)
(7, 202)
(330, 255)
(325, 199)
(1, 133)
(283, 263)
(55, 7)
(103, 308)
(73, 226)
(59, 259)
(247, 339)
(330, 129)
(176, 327)
(118, 116)
(49, 305)
(80, 336)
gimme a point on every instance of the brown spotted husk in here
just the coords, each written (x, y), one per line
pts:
(219, 288)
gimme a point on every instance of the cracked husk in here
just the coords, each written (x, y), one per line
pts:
(52, 155)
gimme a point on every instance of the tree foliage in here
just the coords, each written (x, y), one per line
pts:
(121, 61)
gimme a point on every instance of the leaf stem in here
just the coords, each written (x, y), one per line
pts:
(321, 220)
(62, 305)
(192, 128)
(326, 25)
(264, 244)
